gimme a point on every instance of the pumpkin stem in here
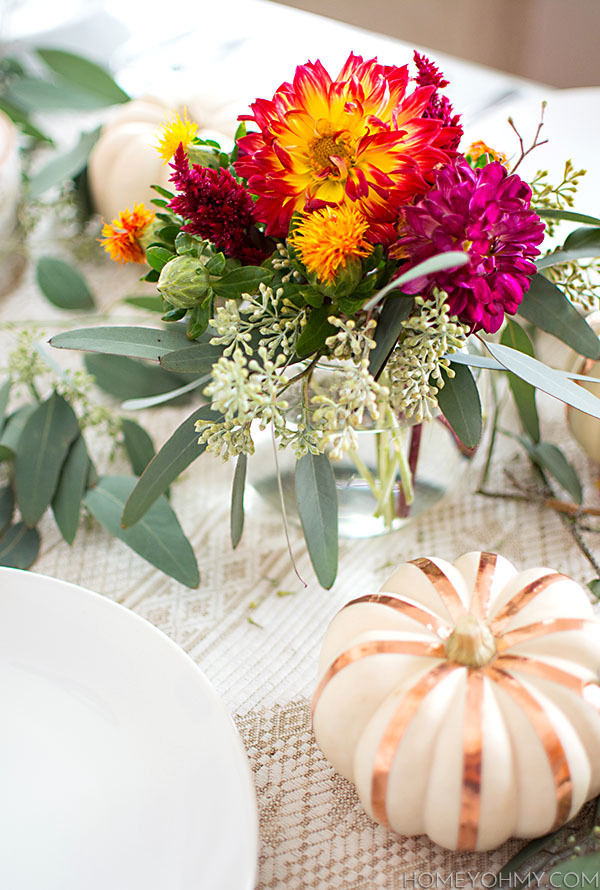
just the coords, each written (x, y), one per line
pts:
(471, 642)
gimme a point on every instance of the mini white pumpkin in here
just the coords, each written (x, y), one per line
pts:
(462, 700)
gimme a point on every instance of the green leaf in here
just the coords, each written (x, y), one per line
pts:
(198, 319)
(570, 215)
(7, 506)
(545, 306)
(13, 428)
(66, 503)
(240, 281)
(315, 332)
(162, 191)
(152, 401)
(580, 872)
(19, 547)
(37, 94)
(152, 304)
(62, 284)
(65, 166)
(149, 343)
(451, 259)
(157, 537)
(88, 76)
(4, 395)
(158, 257)
(551, 459)
(549, 380)
(316, 497)
(507, 874)
(459, 401)
(584, 242)
(124, 377)
(523, 393)
(389, 326)
(174, 457)
(236, 518)
(197, 359)
(138, 445)
(21, 119)
(43, 447)
(594, 586)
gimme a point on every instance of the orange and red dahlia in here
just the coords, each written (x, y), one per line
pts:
(120, 238)
(358, 138)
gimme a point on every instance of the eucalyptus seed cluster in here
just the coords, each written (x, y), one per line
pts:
(350, 342)
(580, 282)
(282, 263)
(555, 197)
(414, 369)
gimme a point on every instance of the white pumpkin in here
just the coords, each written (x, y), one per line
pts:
(584, 427)
(462, 700)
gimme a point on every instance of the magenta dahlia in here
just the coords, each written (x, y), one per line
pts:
(216, 207)
(485, 213)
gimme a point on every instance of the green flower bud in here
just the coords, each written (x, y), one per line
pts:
(184, 282)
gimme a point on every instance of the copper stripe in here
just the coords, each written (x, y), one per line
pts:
(418, 613)
(470, 803)
(480, 604)
(376, 647)
(445, 589)
(522, 598)
(409, 704)
(547, 735)
(539, 629)
(541, 669)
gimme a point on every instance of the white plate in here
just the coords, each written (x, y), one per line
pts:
(119, 766)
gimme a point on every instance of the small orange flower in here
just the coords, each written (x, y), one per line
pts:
(477, 149)
(120, 238)
(326, 239)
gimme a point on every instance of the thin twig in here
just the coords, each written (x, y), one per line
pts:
(535, 143)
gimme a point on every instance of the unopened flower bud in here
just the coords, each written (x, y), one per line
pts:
(184, 282)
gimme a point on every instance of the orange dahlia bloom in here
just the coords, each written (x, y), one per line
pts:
(120, 238)
(328, 239)
(357, 138)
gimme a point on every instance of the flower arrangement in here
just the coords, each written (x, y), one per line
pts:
(347, 232)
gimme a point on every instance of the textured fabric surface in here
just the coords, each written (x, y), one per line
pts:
(260, 648)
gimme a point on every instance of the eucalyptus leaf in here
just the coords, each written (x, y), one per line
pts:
(86, 74)
(475, 360)
(315, 332)
(316, 498)
(138, 445)
(42, 449)
(124, 377)
(72, 483)
(389, 327)
(62, 284)
(523, 393)
(508, 874)
(13, 428)
(545, 306)
(551, 459)
(19, 546)
(158, 537)
(37, 94)
(174, 457)
(152, 304)
(243, 280)
(584, 869)
(594, 586)
(451, 259)
(136, 342)
(459, 401)
(169, 396)
(555, 383)
(569, 215)
(65, 166)
(197, 359)
(4, 395)
(236, 519)
(21, 118)
(7, 506)
(584, 242)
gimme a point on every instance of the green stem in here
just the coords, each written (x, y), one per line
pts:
(364, 472)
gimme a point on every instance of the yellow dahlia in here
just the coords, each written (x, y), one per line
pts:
(174, 133)
(120, 238)
(327, 239)
(359, 138)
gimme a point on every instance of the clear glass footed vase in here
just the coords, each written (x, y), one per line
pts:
(393, 475)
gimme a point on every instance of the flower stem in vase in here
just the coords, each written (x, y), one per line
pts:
(402, 502)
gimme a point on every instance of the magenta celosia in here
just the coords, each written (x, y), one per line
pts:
(439, 107)
(487, 214)
(216, 207)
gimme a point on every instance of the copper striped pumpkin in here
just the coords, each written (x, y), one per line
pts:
(463, 701)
